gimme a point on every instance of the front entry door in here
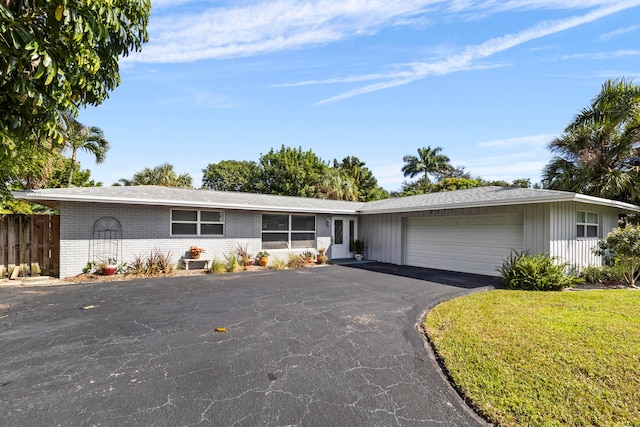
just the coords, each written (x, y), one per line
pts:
(342, 233)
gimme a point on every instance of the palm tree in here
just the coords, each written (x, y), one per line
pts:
(160, 175)
(80, 137)
(599, 154)
(429, 161)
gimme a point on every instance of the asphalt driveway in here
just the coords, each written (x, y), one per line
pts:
(329, 346)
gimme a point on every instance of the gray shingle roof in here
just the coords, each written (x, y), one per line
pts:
(483, 196)
(170, 196)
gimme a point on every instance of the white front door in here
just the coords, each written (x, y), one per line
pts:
(343, 231)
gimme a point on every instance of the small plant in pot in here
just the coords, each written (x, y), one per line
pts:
(357, 246)
(263, 258)
(245, 258)
(195, 252)
(321, 258)
(108, 267)
(308, 256)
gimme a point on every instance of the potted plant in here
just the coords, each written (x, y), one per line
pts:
(321, 258)
(195, 252)
(357, 246)
(108, 267)
(308, 256)
(263, 258)
(243, 253)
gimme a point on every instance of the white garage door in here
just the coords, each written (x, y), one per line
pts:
(470, 244)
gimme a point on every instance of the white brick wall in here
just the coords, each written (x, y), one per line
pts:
(145, 228)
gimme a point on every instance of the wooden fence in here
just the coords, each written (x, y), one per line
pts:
(30, 242)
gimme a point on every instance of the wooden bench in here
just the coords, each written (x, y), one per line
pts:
(189, 261)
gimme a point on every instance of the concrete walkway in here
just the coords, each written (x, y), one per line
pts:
(330, 346)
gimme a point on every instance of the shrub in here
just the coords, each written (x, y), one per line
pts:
(156, 262)
(277, 264)
(535, 273)
(233, 265)
(296, 261)
(623, 244)
(217, 267)
(593, 274)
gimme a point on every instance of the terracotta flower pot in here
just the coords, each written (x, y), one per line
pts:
(263, 261)
(109, 270)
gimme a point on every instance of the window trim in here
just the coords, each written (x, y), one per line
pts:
(289, 231)
(586, 224)
(198, 222)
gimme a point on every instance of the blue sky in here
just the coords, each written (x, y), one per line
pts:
(491, 82)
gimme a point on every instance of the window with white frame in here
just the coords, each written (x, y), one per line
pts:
(587, 224)
(196, 223)
(284, 231)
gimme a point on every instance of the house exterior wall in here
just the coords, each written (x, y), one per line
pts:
(383, 233)
(564, 243)
(548, 228)
(145, 228)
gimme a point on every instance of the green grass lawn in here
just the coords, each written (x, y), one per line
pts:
(544, 358)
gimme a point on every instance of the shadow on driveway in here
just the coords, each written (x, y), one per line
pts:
(443, 277)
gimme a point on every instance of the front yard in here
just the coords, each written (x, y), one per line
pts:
(544, 358)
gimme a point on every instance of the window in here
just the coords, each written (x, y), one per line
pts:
(283, 231)
(587, 224)
(197, 223)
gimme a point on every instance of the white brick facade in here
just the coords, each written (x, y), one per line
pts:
(145, 228)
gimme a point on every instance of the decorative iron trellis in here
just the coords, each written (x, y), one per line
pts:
(106, 245)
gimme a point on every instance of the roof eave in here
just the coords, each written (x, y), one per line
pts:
(478, 204)
(231, 206)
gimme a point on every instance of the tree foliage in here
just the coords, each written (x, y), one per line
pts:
(366, 184)
(77, 136)
(429, 161)
(232, 175)
(623, 245)
(163, 174)
(291, 171)
(598, 153)
(57, 56)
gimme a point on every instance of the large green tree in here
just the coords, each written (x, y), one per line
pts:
(366, 184)
(232, 175)
(334, 185)
(291, 172)
(80, 137)
(163, 174)
(598, 153)
(429, 161)
(57, 56)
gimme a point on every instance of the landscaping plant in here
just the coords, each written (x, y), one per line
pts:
(623, 245)
(538, 272)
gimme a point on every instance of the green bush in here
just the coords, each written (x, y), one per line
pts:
(538, 272)
(593, 274)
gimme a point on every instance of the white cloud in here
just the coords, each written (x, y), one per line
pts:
(189, 30)
(603, 55)
(530, 141)
(465, 60)
(262, 27)
(616, 33)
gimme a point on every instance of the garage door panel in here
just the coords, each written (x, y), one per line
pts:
(474, 244)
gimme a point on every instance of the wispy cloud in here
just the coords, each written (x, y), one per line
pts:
(263, 27)
(603, 55)
(465, 60)
(529, 140)
(191, 30)
(617, 33)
